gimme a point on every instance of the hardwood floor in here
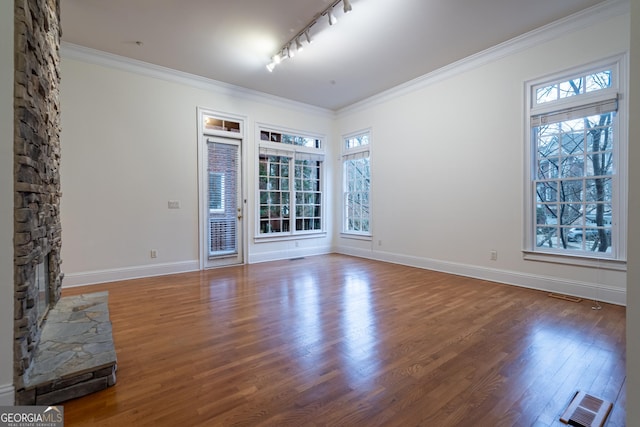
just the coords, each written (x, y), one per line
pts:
(335, 340)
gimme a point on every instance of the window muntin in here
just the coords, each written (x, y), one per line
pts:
(289, 184)
(356, 184)
(574, 182)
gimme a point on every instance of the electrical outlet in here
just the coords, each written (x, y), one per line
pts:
(493, 255)
(174, 204)
(154, 253)
(379, 242)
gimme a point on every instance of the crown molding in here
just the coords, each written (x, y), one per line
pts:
(110, 60)
(602, 11)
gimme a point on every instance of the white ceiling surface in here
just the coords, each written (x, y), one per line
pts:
(379, 45)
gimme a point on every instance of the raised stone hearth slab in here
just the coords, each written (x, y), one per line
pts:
(76, 354)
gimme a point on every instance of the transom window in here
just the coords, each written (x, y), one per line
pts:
(356, 172)
(574, 168)
(289, 184)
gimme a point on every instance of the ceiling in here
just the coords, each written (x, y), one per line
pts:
(380, 44)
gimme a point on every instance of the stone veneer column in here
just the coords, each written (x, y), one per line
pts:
(36, 170)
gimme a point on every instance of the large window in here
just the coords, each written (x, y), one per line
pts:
(289, 184)
(356, 172)
(575, 198)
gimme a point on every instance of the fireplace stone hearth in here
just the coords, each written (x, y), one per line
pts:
(75, 355)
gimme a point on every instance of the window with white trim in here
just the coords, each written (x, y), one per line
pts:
(356, 170)
(289, 184)
(575, 197)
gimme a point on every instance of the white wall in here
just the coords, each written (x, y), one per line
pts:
(633, 279)
(6, 203)
(447, 164)
(129, 145)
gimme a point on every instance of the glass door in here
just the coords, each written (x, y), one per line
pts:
(220, 190)
(224, 202)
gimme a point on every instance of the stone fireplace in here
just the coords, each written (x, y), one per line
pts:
(37, 238)
(43, 376)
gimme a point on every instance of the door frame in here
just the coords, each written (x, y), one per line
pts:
(236, 137)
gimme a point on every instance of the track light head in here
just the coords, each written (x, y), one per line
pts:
(271, 66)
(332, 18)
(307, 36)
(346, 5)
(299, 46)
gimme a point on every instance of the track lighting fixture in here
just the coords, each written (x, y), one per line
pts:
(293, 45)
(332, 18)
(346, 6)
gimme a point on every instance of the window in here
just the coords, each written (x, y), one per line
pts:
(356, 184)
(575, 198)
(289, 184)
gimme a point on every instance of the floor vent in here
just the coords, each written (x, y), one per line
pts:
(586, 411)
(565, 297)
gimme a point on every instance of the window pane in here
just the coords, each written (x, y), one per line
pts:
(547, 237)
(547, 94)
(598, 81)
(571, 88)
(572, 143)
(546, 214)
(572, 166)
(547, 191)
(598, 190)
(548, 142)
(548, 168)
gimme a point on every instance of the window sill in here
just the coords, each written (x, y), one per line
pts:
(355, 236)
(578, 261)
(281, 238)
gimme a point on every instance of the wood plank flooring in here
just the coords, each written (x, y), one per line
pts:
(341, 341)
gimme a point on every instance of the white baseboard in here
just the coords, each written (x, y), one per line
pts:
(7, 395)
(112, 275)
(289, 254)
(598, 292)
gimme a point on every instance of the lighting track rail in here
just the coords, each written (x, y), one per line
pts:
(295, 44)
